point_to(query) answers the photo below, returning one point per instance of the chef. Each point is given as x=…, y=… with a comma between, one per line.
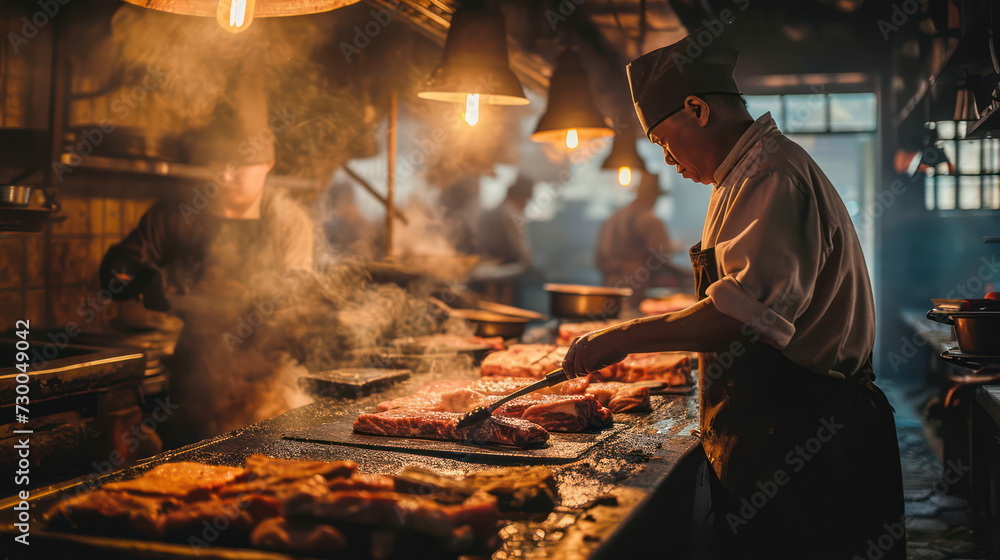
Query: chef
x=502, y=233
x=629, y=237
x=205, y=255
x=803, y=460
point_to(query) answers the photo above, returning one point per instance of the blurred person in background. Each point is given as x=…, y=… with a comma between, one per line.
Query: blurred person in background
x=503, y=243
x=629, y=237
x=214, y=256
x=503, y=234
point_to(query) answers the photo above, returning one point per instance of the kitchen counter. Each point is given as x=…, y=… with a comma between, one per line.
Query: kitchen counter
x=606, y=494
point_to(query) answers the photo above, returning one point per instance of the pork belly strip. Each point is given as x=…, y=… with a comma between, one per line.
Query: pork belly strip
x=621, y=397
x=558, y=413
x=411, y=423
x=178, y=479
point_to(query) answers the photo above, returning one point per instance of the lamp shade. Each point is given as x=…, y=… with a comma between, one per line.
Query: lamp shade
x=624, y=154
x=570, y=105
x=475, y=62
x=965, y=102
x=262, y=8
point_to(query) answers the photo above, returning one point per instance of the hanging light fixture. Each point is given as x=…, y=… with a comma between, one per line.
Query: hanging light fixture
x=625, y=159
x=475, y=68
x=965, y=101
x=571, y=116
x=237, y=15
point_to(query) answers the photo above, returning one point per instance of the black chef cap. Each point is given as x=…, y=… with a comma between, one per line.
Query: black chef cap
x=698, y=64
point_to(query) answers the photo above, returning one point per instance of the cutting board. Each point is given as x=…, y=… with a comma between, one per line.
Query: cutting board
x=350, y=382
x=561, y=448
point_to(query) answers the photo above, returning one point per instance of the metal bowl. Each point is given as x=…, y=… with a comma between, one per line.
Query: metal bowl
x=494, y=324
x=574, y=301
x=15, y=195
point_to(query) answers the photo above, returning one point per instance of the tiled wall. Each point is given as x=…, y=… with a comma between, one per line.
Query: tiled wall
x=45, y=277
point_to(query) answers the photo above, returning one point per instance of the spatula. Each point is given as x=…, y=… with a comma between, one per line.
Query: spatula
x=481, y=413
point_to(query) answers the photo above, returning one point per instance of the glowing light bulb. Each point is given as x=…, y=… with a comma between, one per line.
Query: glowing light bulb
x=235, y=15
x=472, y=109
x=572, y=139
x=624, y=176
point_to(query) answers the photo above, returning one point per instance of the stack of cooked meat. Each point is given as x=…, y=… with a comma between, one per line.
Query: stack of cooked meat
x=573, y=406
x=303, y=506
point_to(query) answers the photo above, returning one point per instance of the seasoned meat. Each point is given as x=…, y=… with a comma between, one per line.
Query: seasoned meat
x=104, y=510
x=451, y=400
x=492, y=386
x=361, y=481
x=673, y=368
x=411, y=423
x=621, y=397
x=523, y=360
x=399, y=511
x=422, y=401
x=278, y=534
x=178, y=479
x=559, y=413
x=568, y=332
x=516, y=488
x=274, y=470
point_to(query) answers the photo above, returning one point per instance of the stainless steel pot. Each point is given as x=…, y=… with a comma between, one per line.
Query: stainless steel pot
x=978, y=332
x=574, y=301
x=15, y=195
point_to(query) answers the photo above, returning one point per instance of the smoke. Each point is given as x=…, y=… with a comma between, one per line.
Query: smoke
x=243, y=359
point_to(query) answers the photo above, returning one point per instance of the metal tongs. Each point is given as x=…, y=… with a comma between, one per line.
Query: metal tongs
x=481, y=413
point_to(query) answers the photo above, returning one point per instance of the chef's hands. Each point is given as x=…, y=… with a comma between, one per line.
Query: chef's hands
x=594, y=351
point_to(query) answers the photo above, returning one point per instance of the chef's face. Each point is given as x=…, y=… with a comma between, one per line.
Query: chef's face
x=241, y=186
x=681, y=137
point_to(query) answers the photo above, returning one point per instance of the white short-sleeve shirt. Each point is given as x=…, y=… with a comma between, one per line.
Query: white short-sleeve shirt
x=790, y=263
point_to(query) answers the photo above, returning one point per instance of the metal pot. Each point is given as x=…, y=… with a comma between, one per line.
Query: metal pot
x=15, y=195
x=573, y=301
x=495, y=324
x=978, y=332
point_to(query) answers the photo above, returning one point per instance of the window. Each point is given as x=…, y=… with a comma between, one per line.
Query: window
x=839, y=131
x=974, y=183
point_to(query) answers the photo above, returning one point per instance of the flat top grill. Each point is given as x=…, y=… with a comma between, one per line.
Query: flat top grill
x=639, y=457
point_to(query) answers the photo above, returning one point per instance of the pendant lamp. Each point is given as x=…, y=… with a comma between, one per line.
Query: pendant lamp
x=624, y=158
x=475, y=68
x=965, y=101
x=237, y=15
x=571, y=116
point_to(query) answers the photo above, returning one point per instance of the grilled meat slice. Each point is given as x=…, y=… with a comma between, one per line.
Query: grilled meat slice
x=278, y=533
x=452, y=400
x=673, y=368
x=276, y=470
x=179, y=479
x=395, y=510
x=443, y=425
x=102, y=511
x=558, y=413
x=621, y=397
x=523, y=360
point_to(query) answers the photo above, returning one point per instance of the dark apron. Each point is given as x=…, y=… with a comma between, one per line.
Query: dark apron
x=801, y=465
